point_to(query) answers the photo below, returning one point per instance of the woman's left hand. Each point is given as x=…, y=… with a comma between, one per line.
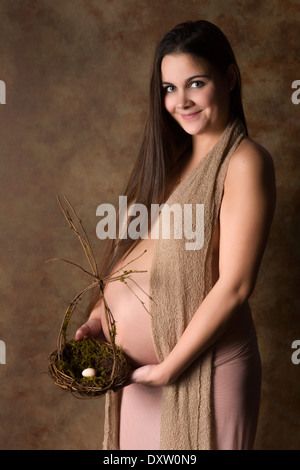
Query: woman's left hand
x=152, y=375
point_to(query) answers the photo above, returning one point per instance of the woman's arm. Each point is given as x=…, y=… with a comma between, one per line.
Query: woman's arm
x=245, y=218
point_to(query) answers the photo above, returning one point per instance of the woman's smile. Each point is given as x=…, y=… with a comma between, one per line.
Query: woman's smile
x=190, y=116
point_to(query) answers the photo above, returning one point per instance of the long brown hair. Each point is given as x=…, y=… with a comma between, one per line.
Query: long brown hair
x=164, y=141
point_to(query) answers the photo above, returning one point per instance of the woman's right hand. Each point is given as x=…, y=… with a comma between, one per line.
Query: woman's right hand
x=92, y=328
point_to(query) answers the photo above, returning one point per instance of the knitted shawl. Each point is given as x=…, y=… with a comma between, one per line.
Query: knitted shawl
x=180, y=279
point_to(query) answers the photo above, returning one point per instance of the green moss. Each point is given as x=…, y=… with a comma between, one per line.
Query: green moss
x=86, y=353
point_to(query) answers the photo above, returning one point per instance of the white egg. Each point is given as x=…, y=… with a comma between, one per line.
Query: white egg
x=89, y=372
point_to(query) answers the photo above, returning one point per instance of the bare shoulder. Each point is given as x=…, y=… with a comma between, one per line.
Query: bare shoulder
x=251, y=161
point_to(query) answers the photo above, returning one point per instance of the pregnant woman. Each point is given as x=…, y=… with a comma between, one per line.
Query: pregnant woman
x=197, y=378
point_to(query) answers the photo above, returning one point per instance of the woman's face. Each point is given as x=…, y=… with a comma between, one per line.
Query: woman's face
x=196, y=94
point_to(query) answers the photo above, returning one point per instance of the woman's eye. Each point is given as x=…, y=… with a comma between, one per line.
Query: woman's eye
x=197, y=84
x=169, y=88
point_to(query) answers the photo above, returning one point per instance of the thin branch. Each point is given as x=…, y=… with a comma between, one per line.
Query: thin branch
x=85, y=234
x=120, y=276
x=131, y=261
x=137, y=285
x=143, y=303
x=70, y=262
x=70, y=311
x=84, y=243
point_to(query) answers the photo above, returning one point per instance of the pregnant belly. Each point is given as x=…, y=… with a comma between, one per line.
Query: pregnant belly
x=133, y=322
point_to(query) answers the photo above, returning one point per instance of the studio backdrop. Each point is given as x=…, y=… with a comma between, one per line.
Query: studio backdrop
x=73, y=104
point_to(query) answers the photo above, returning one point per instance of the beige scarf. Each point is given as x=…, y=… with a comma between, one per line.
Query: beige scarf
x=179, y=281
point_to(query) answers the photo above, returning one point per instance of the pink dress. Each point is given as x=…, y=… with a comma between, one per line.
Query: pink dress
x=236, y=369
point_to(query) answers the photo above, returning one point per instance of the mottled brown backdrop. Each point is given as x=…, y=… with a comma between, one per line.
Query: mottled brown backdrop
x=76, y=75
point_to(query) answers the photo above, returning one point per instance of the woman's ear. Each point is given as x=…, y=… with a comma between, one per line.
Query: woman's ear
x=231, y=76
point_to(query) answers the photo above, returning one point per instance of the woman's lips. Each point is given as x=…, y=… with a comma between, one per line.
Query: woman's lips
x=190, y=116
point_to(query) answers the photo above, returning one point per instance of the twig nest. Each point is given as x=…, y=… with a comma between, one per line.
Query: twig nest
x=89, y=368
x=89, y=372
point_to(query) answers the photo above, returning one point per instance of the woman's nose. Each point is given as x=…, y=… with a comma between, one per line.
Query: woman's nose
x=183, y=101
